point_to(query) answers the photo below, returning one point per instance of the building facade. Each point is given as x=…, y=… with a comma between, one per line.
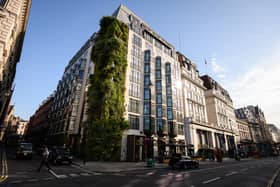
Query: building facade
x=198, y=132
x=153, y=96
x=39, y=123
x=261, y=137
x=67, y=109
x=13, y=21
x=275, y=133
x=220, y=114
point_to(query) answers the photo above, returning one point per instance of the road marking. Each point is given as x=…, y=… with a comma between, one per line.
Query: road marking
x=62, y=176
x=244, y=169
x=198, y=170
x=119, y=174
x=231, y=173
x=272, y=180
x=32, y=180
x=85, y=174
x=74, y=175
x=4, y=175
x=53, y=173
x=83, y=169
x=211, y=180
x=150, y=173
x=49, y=178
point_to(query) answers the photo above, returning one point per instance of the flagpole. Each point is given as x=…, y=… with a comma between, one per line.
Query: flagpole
x=205, y=62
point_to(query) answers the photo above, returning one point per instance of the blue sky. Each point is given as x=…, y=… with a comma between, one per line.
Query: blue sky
x=239, y=39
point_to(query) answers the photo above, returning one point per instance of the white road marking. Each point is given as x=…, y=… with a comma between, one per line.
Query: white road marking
x=244, y=169
x=231, y=173
x=83, y=169
x=53, y=173
x=211, y=180
x=150, y=173
x=119, y=174
x=62, y=176
x=74, y=175
x=85, y=174
x=49, y=178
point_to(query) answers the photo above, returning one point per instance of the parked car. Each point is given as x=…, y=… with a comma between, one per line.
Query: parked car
x=59, y=155
x=24, y=150
x=182, y=162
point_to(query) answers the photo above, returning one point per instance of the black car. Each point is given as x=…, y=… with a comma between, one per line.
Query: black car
x=59, y=155
x=24, y=150
x=182, y=162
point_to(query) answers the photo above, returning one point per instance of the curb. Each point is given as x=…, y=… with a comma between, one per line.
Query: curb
x=121, y=171
x=273, y=179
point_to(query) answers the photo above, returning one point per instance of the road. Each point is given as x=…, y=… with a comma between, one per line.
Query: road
x=250, y=173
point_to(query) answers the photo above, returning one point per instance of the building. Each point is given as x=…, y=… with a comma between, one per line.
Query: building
x=220, y=114
x=275, y=133
x=244, y=139
x=21, y=128
x=261, y=137
x=198, y=132
x=67, y=109
x=13, y=21
x=153, y=98
x=39, y=123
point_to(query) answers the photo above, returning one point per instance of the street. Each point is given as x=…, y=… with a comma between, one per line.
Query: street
x=244, y=173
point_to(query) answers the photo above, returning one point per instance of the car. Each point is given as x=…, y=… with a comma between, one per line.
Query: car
x=24, y=150
x=182, y=162
x=59, y=155
x=205, y=153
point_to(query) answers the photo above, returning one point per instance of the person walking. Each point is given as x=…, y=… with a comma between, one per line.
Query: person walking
x=45, y=157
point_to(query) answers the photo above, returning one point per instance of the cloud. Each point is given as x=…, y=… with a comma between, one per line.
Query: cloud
x=218, y=70
x=259, y=85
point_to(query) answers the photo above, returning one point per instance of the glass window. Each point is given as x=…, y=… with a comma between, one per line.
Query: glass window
x=167, y=68
x=147, y=94
x=147, y=68
x=159, y=111
x=168, y=79
x=168, y=90
x=158, y=85
x=133, y=121
x=147, y=56
x=158, y=63
x=159, y=98
x=147, y=123
x=147, y=80
x=147, y=108
x=133, y=106
x=137, y=40
x=159, y=124
x=169, y=114
x=158, y=74
x=169, y=101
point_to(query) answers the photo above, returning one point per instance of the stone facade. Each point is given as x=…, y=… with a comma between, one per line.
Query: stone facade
x=13, y=21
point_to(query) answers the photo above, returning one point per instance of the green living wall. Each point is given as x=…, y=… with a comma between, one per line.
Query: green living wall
x=105, y=123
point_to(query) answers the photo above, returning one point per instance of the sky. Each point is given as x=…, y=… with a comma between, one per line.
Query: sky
x=238, y=39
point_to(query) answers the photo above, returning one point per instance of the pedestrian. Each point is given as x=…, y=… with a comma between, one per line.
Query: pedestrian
x=45, y=157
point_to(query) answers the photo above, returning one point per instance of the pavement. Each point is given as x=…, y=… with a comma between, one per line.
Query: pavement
x=111, y=167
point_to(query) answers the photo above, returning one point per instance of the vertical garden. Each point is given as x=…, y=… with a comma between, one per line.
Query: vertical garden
x=106, y=123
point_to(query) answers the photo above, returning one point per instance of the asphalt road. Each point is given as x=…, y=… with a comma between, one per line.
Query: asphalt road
x=253, y=173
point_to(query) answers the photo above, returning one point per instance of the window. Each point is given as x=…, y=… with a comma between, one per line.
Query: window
x=169, y=114
x=147, y=56
x=147, y=108
x=158, y=85
x=159, y=111
x=133, y=106
x=167, y=68
x=180, y=129
x=134, y=90
x=168, y=79
x=135, y=64
x=158, y=44
x=159, y=98
x=158, y=63
x=159, y=124
x=158, y=74
x=147, y=80
x=148, y=37
x=147, y=68
x=169, y=101
x=147, y=123
x=137, y=40
x=168, y=90
x=147, y=94
x=133, y=122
